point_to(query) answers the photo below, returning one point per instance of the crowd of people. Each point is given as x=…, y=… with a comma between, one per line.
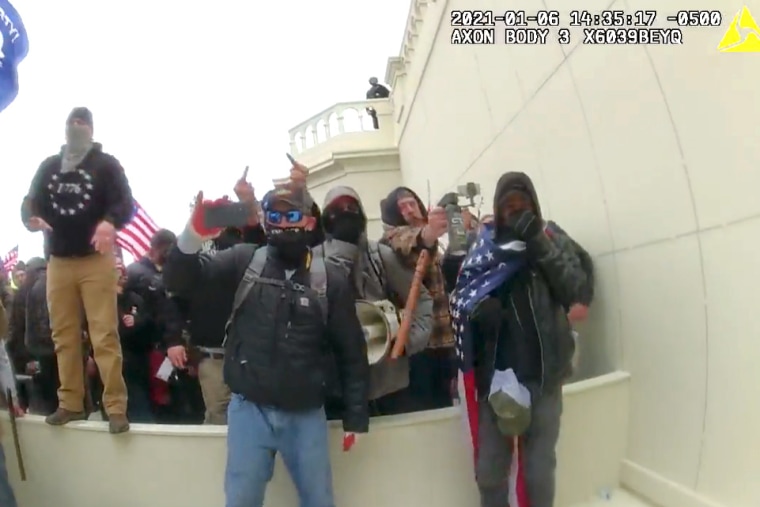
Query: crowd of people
x=256, y=327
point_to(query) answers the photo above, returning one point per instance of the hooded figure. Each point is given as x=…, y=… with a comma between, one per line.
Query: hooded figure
x=522, y=326
x=376, y=274
x=404, y=217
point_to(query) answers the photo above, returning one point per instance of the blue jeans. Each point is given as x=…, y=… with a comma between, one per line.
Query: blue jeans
x=256, y=433
x=7, y=498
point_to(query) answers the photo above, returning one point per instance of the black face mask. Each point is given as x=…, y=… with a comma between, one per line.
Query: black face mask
x=504, y=234
x=347, y=227
x=291, y=243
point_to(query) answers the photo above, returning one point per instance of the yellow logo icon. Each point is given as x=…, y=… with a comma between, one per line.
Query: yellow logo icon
x=742, y=36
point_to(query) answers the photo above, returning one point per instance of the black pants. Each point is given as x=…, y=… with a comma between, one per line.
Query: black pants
x=137, y=376
x=430, y=375
x=43, y=399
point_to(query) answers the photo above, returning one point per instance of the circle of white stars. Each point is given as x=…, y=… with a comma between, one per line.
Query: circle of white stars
x=84, y=199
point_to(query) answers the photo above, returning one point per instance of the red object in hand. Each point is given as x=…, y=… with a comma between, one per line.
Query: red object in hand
x=349, y=439
x=197, y=220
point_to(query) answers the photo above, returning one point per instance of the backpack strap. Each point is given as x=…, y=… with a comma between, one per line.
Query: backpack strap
x=378, y=265
x=376, y=260
x=251, y=275
x=318, y=282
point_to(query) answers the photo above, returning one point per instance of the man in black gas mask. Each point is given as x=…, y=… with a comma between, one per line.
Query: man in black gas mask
x=291, y=310
x=376, y=275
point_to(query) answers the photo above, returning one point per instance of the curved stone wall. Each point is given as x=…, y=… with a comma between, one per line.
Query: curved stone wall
x=410, y=460
x=649, y=156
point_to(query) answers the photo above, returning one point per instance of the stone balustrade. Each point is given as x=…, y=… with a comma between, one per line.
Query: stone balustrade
x=338, y=120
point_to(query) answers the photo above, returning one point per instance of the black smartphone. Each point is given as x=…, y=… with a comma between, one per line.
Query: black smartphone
x=234, y=214
x=290, y=157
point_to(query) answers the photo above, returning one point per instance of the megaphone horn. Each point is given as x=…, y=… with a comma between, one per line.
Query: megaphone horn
x=380, y=324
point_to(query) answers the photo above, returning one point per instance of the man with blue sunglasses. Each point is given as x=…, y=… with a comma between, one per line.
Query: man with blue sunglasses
x=292, y=315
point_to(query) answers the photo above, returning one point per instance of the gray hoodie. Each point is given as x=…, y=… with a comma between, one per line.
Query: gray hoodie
x=377, y=274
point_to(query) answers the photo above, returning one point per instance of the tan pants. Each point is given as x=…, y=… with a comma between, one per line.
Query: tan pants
x=88, y=283
x=216, y=394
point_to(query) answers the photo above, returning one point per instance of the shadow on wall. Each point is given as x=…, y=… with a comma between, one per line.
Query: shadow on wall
x=642, y=153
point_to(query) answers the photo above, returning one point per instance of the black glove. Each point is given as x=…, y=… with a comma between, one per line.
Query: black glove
x=525, y=224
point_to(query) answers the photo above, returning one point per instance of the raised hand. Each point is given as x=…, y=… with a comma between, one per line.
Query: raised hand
x=243, y=188
x=197, y=218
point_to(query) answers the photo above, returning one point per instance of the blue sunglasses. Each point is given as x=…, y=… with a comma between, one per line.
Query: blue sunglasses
x=291, y=217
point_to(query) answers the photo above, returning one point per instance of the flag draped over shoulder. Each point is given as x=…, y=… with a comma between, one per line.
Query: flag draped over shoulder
x=485, y=268
x=14, y=46
x=135, y=236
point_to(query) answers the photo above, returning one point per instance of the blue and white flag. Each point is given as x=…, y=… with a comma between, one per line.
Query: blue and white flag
x=14, y=45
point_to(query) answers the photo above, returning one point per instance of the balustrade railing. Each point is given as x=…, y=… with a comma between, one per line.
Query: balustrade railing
x=342, y=118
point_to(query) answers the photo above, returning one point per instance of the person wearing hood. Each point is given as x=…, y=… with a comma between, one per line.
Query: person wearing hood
x=376, y=274
x=410, y=229
x=523, y=326
x=82, y=197
x=290, y=311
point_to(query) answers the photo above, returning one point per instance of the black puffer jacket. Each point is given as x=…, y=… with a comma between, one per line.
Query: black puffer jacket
x=279, y=345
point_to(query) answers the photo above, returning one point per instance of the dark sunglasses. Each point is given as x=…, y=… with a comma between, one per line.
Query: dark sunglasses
x=291, y=217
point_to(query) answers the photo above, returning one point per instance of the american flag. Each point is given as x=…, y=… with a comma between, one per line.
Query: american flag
x=135, y=236
x=10, y=259
x=485, y=268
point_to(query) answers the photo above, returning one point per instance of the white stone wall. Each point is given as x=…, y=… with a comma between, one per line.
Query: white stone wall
x=649, y=157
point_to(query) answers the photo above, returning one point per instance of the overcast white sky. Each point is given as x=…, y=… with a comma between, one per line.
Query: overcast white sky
x=185, y=94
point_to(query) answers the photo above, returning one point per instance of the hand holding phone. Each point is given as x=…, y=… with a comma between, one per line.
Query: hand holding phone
x=227, y=214
x=198, y=217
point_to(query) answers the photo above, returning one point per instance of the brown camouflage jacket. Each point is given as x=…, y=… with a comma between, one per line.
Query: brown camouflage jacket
x=403, y=241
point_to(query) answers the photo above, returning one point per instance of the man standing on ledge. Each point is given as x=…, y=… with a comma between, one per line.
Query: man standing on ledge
x=81, y=197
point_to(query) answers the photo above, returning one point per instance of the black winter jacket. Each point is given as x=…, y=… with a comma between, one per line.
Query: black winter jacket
x=279, y=345
x=136, y=338
x=208, y=312
x=163, y=319
x=533, y=308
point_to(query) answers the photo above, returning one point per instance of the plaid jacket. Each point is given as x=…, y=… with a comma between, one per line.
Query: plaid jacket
x=403, y=241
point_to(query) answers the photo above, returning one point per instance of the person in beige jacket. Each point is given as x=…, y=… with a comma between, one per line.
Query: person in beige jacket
x=7, y=381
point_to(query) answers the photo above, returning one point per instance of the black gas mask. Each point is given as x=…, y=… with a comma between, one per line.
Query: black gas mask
x=345, y=226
